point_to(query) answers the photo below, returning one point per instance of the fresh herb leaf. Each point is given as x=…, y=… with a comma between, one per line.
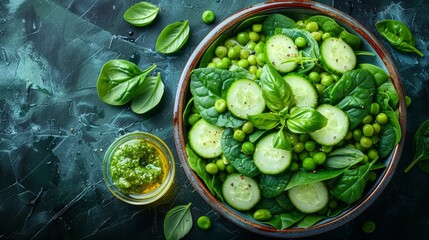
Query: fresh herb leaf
x=173, y=37
x=344, y=157
x=379, y=74
x=273, y=185
x=178, y=222
x=305, y=177
x=276, y=20
x=148, y=94
x=280, y=141
x=141, y=14
x=275, y=91
x=305, y=120
x=265, y=121
x=398, y=35
x=421, y=148
x=310, y=220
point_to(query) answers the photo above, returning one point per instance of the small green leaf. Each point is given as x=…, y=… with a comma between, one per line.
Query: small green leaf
x=275, y=91
x=178, y=222
x=148, y=94
x=173, y=37
x=421, y=148
x=344, y=157
x=141, y=14
x=305, y=120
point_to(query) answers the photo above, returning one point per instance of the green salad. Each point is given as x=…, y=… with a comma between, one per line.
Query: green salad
x=287, y=122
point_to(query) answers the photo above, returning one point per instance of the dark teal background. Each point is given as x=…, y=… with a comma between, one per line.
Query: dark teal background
x=54, y=129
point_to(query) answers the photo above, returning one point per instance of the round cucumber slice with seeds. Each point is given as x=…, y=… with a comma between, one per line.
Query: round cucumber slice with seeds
x=268, y=159
x=244, y=97
x=309, y=198
x=336, y=128
x=304, y=92
x=280, y=50
x=241, y=192
x=205, y=139
x=337, y=56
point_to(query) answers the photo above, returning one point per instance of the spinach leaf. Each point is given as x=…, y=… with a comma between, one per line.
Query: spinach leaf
x=197, y=164
x=383, y=100
x=275, y=91
x=257, y=134
x=273, y=185
x=118, y=81
x=277, y=20
x=207, y=86
x=305, y=120
x=349, y=38
x=271, y=205
x=178, y=222
x=310, y=53
x=379, y=74
x=173, y=37
x=265, y=121
x=390, y=90
x=353, y=93
x=232, y=151
x=284, y=201
x=336, y=211
x=148, y=94
x=351, y=184
x=387, y=140
x=310, y=220
x=141, y=14
x=421, y=148
x=398, y=35
x=187, y=112
x=305, y=177
x=285, y=220
x=344, y=157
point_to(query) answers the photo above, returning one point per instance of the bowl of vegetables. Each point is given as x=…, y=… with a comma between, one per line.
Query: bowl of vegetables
x=289, y=118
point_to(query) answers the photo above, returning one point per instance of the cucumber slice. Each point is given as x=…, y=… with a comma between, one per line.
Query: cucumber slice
x=241, y=192
x=279, y=49
x=304, y=92
x=205, y=139
x=336, y=128
x=337, y=56
x=309, y=198
x=268, y=159
x=244, y=97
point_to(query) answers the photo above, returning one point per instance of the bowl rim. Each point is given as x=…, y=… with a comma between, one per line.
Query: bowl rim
x=181, y=99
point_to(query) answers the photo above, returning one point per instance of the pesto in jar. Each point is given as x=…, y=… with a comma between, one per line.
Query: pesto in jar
x=138, y=167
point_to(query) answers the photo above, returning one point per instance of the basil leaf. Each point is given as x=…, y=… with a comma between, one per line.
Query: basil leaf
x=148, y=94
x=256, y=135
x=285, y=220
x=273, y=185
x=277, y=20
x=173, y=37
x=350, y=185
x=344, y=157
x=197, y=164
x=275, y=91
x=383, y=100
x=305, y=177
x=398, y=35
x=420, y=148
x=265, y=121
x=281, y=142
x=232, y=151
x=118, y=81
x=305, y=120
x=210, y=84
x=178, y=222
x=141, y=14
x=353, y=93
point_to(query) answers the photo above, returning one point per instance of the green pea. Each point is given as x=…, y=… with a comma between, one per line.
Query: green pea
x=259, y=47
x=375, y=139
x=234, y=52
x=243, y=63
x=312, y=27
x=251, y=45
x=252, y=59
x=220, y=105
x=247, y=148
x=357, y=134
x=374, y=109
x=365, y=142
x=349, y=135
x=303, y=155
x=408, y=101
x=304, y=137
x=300, y=23
x=208, y=16
x=367, y=119
x=300, y=42
x=310, y=145
x=372, y=153
x=368, y=226
x=314, y=76
x=377, y=127
x=382, y=118
x=221, y=51
x=368, y=130
x=230, y=43
x=221, y=65
x=244, y=53
x=247, y=127
x=204, y=222
x=243, y=38
x=298, y=147
x=294, y=167
x=319, y=158
x=327, y=80
x=257, y=27
x=220, y=164
x=216, y=59
x=325, y=36
x=262, y=215
x=259, y=72
x=211, y=65
x=211, y=168
x=324, y=74
x=260, y=59
x=239, y=135
x=317, y=36
x=308, y=164
x=327, y=149
x=230, y=168
x=253, y=69
x=193, y=118
x=254, y=36
x=292, y=138
x=372, y=176
x=320, y=88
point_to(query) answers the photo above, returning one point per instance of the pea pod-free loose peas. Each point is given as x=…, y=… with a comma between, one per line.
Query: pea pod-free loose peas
x=204, y=222
x=262, y=215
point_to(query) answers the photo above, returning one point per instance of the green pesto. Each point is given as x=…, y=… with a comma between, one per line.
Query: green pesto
x=137, y=167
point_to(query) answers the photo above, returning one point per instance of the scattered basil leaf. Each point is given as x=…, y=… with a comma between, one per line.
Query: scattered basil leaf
x=398, y=35
x=265, y=121
x=280, y=141
x=305, y=120
x=421, y=148
x=344, y=157
x=141, y=14
x=173, y=37
x=275, y=91
x=178, y=222
x=148, y=94
x=118, y=81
